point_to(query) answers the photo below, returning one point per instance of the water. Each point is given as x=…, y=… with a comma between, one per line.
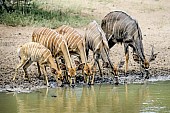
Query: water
x=153, y=97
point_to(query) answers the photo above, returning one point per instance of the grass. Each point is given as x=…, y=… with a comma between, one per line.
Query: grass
x=38, y=14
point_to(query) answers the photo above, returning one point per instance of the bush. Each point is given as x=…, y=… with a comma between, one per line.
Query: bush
x=33, y=15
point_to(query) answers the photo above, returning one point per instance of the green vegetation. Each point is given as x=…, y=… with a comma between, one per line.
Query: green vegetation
x=36, y=15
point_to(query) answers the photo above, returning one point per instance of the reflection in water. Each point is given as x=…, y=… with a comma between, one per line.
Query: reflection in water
x=94, y=99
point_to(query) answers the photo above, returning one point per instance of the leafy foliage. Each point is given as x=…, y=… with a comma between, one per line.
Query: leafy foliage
x=34, y=15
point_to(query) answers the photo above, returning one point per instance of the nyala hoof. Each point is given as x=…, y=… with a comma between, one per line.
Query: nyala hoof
x=146, y=77
x=117, y=83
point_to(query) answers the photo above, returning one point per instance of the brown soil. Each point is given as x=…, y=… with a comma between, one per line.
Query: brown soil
x=153, y=17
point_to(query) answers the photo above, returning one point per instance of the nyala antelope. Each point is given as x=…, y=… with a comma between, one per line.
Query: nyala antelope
x=121, y=28
x=76, y=46
x=95, y=40
x=58, y=46
x=35, y=52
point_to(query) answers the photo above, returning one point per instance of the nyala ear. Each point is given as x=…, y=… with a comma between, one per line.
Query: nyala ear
x=121, y=63
x=62, y=66
x=105, y=65
x=136, y=58
x=53, y=70
x=77, y=63
x=103, y=23
x=80, y=66
x=153, y=57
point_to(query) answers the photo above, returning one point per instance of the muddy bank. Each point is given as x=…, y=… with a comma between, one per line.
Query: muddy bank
x=24, y=86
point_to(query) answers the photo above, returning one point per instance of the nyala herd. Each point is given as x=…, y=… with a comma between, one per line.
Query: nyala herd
x=49, y=46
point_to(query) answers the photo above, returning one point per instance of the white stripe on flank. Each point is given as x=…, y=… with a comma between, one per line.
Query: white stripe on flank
x=56, y=47
x=49, y=35
x=41, y=34
x=109, y=23
x=31, y=51
x=95, y=33
x=46, y=34
x=34, y=52
x=38, y=31
x=57, y=41
x=35, y=49
x=99, y=29
x=56, y=37
x=74, y=39
x=43, y=29
x=135, y=32
x=121, y=25
x=130, y=29
x=91, y=29
x=69, y=36
x=126, y=26
x=47, y=42
x=97, y=46
x=37, y=34
x=96, y=37
x=52, y=44
x=65, y=31
x=42, y=39
x=79, y=41
x=71, y=39
x=70, y=44
x=79, y=38
x=38, y=53
x=47, y=56
x=59, y=45
x=114, y=28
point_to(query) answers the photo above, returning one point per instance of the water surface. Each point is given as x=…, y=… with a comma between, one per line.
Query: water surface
x=153, y=97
